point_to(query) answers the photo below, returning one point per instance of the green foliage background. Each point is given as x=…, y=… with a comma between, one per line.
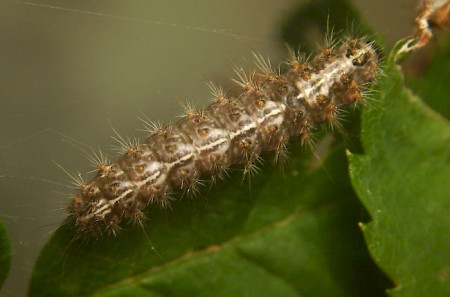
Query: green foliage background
x=402, y=179
x=5, y=253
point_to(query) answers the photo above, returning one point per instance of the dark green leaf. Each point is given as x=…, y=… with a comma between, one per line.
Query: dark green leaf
x=293, y=234
x=403, y=181
x=434, y=85
x=5, y=254
x=307, y=26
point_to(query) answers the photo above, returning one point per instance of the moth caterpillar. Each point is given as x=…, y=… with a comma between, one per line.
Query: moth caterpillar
x=272, y=108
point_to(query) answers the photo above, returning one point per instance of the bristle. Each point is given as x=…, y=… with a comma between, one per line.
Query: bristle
x=76, y=180
x=217, y=92
x=125, y=144
x=246, y=81
x=189, y=109
x=98, y=160
x=264, y=65
x=151, y=127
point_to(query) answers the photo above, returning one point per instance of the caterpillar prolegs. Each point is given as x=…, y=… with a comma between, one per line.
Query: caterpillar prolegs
x=271, y=109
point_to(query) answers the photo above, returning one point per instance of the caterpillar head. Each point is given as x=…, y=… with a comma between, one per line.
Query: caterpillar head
x=364, y=57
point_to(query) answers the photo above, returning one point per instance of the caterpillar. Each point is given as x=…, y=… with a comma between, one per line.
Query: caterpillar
x=272, y=108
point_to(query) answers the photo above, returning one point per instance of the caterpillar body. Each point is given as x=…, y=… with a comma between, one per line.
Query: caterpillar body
x=271, y=109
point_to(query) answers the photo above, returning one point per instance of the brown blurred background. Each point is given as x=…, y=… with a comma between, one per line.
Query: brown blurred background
x=67, y=76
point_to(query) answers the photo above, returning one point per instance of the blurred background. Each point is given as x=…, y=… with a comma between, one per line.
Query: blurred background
x=74, y=69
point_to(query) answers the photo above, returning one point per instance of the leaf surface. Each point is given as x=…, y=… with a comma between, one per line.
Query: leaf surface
x=5, y=254
x=403, y=180
x=433, y=86
x=293, y=234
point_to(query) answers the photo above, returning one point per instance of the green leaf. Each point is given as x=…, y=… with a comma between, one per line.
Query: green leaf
x=307, y=26
x=5, y=254
x=433, y=86
x=402, y=179
x=293, y=234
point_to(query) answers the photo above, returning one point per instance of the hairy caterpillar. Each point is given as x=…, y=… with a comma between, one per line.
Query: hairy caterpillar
x=271, y=109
